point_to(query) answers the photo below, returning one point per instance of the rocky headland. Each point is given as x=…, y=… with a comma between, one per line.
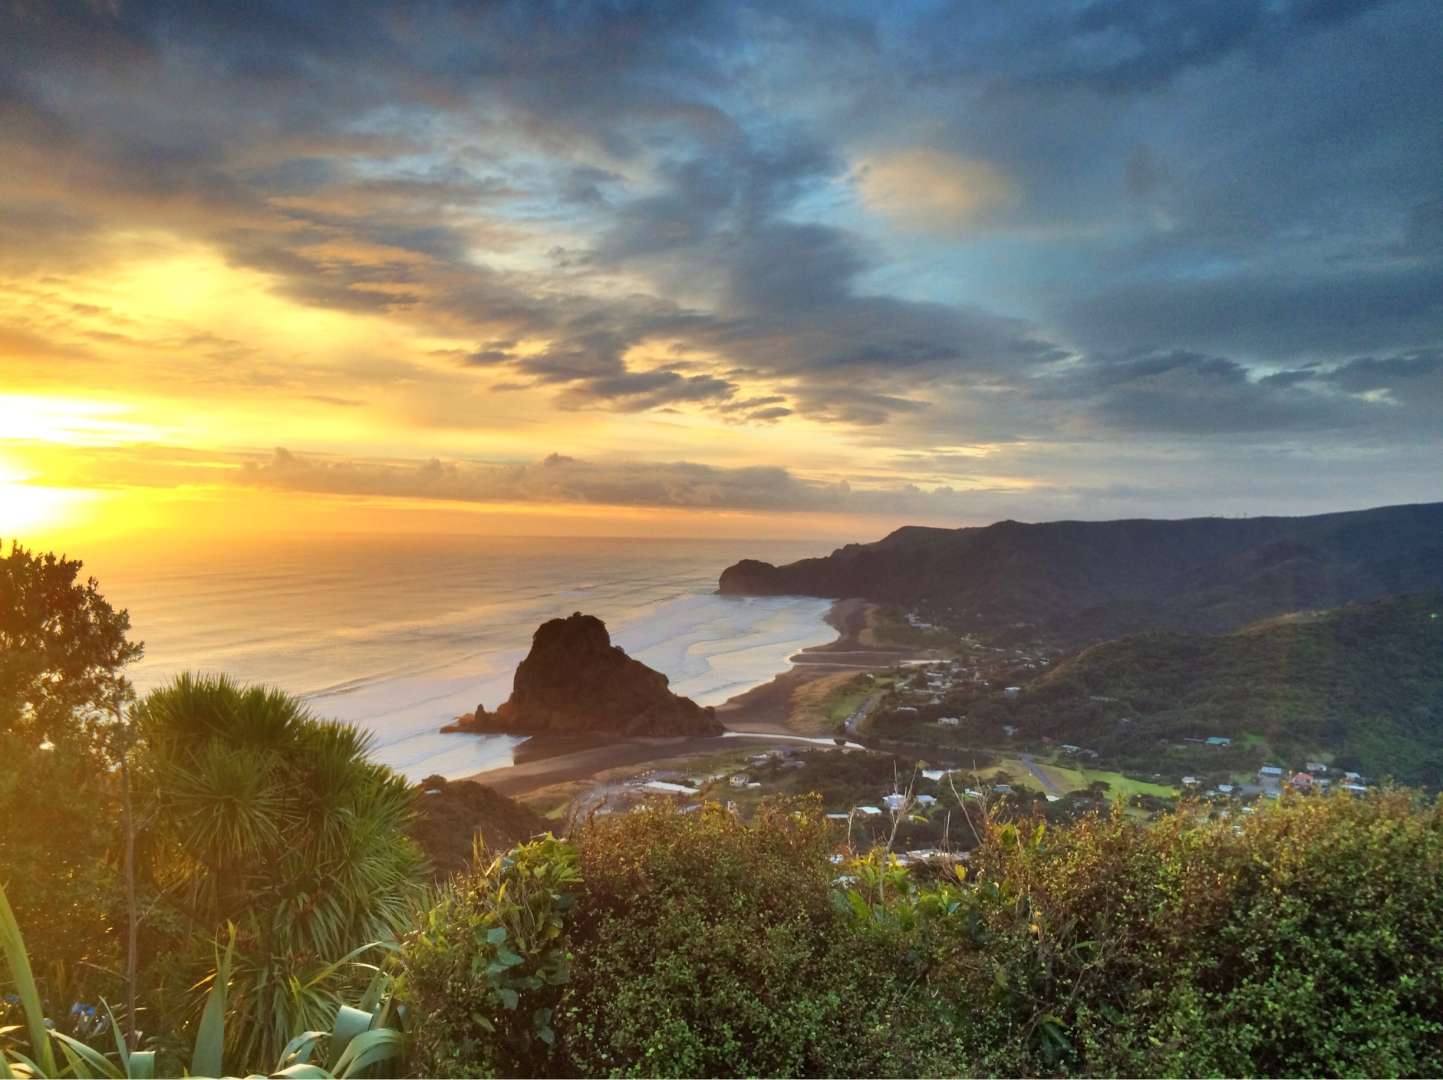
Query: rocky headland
x=575, y=680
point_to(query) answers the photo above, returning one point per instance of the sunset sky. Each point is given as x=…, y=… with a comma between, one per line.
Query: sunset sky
x=692, y=269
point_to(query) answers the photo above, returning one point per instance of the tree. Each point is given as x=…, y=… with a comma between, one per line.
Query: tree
x=278, y=823
x=63, y=648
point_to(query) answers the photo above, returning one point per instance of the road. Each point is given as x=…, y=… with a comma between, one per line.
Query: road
x=1048, y=786
x=862, y=711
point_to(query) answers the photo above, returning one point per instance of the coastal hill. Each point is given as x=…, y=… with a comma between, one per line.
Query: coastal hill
x=1072, y=582
x=1359, y=686
x=575, y=680
x=452, y=815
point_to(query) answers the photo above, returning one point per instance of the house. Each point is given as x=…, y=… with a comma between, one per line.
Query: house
x=1009, y=730
x=1352, y=777
x=1225, y=789
x=664, y=787
x=894, y=801
x=739, y=780
x=870, y=811
x=906, y=710
x=1218, y=740
x=794, y=763
x=926, y=800
x=838, y=817
x=934, y=774
x=1189, y=781
x=1270, y=774
x=949, y=721
x=1302, y=781
x=1355, y=789
x=1002, y=789
x=1011, y=691
x=1316, y=767
x=1068, y=748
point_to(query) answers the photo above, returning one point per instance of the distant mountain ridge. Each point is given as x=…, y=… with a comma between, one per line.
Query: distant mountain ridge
x=1080, y=581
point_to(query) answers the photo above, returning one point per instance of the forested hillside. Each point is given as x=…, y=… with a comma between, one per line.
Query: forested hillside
x=1073, y=582
x=1359, y=686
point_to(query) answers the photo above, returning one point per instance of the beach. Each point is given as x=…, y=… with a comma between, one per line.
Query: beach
x=757, y=716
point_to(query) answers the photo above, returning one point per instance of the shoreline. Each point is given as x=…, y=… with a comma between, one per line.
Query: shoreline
x=762, y=712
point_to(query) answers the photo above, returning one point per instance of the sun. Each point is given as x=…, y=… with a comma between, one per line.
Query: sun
x=29, y=511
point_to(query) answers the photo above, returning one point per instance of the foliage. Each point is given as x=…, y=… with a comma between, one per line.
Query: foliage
x=1360, y=686
x=358, y=1040
x=278, y=823
x=1303, y=941
x=62, y=650
x=62, y=647
x=485, y=969
x=709, y=946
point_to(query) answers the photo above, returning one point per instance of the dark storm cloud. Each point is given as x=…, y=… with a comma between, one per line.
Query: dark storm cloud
x=1224, y=219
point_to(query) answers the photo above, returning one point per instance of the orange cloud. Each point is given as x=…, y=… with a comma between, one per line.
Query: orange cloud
x=930, y=189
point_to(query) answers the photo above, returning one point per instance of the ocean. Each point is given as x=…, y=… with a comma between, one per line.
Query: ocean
x=400, y=635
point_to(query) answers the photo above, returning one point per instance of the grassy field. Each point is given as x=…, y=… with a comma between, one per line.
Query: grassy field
x=1070, y=779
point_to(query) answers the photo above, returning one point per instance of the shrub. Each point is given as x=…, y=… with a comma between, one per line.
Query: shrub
x=1303, y=941
x=486, y=968
x=706, y=946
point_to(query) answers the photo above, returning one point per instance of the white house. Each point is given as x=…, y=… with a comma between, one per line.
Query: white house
x=926, y=800
x=949, y=721
x=870, y=811
x=1012, y=691
x=740, y=779
x=894, y=801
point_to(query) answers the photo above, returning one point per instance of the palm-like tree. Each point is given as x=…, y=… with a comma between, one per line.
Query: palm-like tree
x=272, y=820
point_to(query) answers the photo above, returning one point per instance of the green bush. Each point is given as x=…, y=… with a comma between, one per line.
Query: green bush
x=706, y=946
x=1304, y=941
x=485, y=970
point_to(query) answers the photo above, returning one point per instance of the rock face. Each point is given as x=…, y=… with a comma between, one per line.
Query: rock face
x=575, y=680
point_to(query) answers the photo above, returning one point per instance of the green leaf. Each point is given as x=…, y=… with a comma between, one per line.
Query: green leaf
x=367, y=1049
x=349, y=1024
x=93, y=1058
x=140, y=1065
x=208, y=1058
x=496, y=935
x=12, y=946
x=304, y=1070
x=510, y=998
x=506, y=958
x=299, y=1050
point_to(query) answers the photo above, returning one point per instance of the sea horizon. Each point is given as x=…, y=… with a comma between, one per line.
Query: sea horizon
x=398, y=635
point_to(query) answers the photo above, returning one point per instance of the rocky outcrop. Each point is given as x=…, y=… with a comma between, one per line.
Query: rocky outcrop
x=575, y=680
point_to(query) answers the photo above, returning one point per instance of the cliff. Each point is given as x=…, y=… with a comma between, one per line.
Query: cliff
x=1080, y=581
x=575, y=680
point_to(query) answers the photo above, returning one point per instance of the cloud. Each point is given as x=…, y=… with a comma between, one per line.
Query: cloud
x=1156, y=225
x=927, y=189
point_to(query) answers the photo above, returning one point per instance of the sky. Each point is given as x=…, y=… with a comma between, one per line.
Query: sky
x=771, y=269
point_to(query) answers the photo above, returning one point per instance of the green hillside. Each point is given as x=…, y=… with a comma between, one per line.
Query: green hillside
x=1359, y=687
